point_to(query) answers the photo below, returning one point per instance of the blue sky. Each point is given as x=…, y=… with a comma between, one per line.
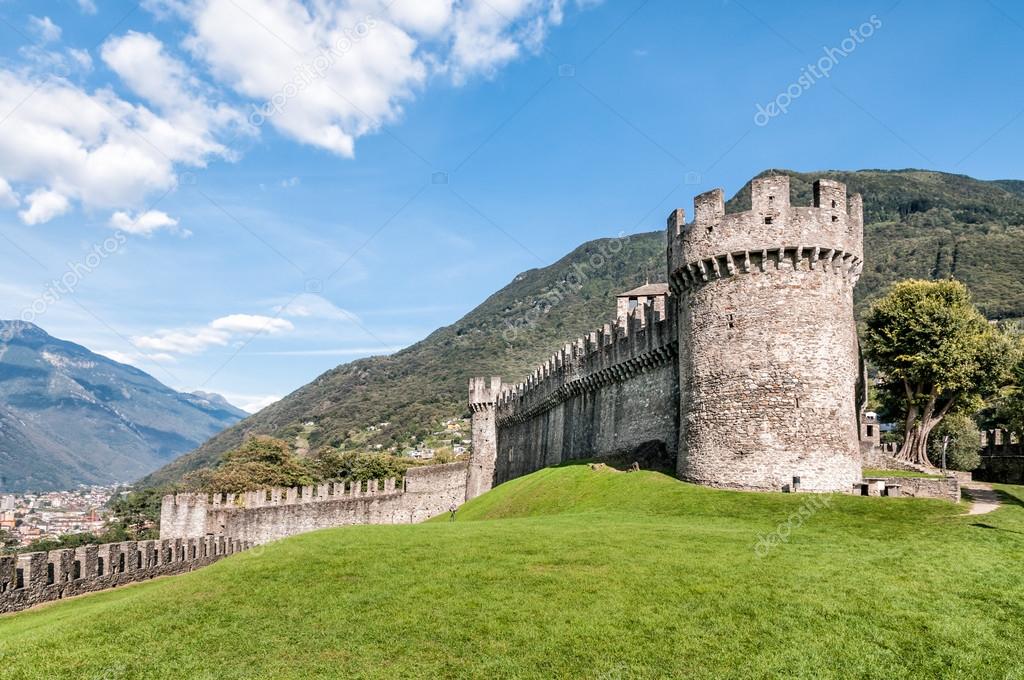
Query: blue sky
x=236, y=195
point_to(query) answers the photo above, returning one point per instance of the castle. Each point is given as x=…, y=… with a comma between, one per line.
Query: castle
x=744, y=368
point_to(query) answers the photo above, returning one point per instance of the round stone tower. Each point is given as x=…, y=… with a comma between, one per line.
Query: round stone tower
x=768, y=358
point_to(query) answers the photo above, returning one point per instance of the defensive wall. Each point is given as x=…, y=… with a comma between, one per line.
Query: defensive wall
x=267, y=515
x=29, y=579
x=611, y=391
x=1002, y=457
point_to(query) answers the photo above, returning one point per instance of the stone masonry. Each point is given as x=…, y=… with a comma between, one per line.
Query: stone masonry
x=745, y=370
x=33, y=578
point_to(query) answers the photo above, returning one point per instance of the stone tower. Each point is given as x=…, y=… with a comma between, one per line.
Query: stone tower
x=482, y=401
x=768, y=352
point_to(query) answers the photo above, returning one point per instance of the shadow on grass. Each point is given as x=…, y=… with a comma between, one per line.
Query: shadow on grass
x=982, y=525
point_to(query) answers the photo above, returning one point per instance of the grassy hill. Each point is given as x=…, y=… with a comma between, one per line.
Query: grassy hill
x=919, y=224
x=574, y=572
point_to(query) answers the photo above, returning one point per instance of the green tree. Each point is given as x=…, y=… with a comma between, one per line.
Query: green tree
x=938, y=355
x=1010, y=410
x=961, y=438
x=7, y=539
x=259, y=463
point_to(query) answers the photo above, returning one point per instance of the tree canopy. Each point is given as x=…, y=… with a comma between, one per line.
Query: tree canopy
x=937, y=355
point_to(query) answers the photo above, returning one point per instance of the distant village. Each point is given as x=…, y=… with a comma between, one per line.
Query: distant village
x=32, y=517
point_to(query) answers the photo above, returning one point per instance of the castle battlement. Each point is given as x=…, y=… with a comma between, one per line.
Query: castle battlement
x=644, y=338
x=32, y=578
x=773, y=234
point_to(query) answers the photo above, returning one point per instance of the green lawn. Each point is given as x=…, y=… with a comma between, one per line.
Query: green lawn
x=897, y=473
x=573, y=572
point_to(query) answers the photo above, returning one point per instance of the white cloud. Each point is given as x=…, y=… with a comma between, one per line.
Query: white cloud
x=8, y=199
x=290, y=182
x=218, y=333
x=44, y=29
x=87, y=6
x=144, y=224
x=309, y=305
x=328, y=72
x=43, y=206
x=94, y=148
x=251, y=323
x=81, y=58
x=137, y=359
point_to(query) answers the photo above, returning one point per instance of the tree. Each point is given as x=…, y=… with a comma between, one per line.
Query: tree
x=1010, y=411
x=259, y=463
x=7, y=539
x=938, y=355
x=961, y=438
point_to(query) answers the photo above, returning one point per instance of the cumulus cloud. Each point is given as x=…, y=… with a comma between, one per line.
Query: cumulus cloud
x=143, y=224
x=326, y=73
x=321, y=72
x=219, y=332
x=94, y=148
x=87, y=6
x=44, y=29
x=43, y=206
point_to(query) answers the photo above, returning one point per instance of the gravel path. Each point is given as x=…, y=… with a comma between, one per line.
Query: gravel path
x=983, y=498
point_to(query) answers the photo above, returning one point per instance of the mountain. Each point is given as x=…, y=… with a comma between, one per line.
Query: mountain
x=917, y=224
x=69, y=416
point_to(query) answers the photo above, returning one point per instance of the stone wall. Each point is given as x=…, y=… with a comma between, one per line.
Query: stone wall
x=261, y=516
x=1002, y=457
x=945, y=488
x=768, y=358
x=610, y=392
x=29, y=579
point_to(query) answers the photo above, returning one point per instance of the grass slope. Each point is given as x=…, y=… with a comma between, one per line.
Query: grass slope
x=918, y=224
x=573, y=572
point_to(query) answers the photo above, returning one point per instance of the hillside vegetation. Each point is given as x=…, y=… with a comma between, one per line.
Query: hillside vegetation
x=575, y=572
x=919, y=224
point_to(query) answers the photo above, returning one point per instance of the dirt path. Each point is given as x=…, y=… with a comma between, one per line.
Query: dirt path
x=983, y=498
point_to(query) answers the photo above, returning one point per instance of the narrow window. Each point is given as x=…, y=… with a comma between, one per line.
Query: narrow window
x=120, y=563
x=19, y=579
x=50, y=579
x=771, y=198
x=76, y=570
x=833, y=204
x=99, y=566
x=138, y=560
x=768, y=220
x=871, y=430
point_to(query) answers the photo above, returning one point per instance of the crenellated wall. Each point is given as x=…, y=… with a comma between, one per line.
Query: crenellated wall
x=261, y=516
x=611, y=391
x=29, y=579
x=1002, y=457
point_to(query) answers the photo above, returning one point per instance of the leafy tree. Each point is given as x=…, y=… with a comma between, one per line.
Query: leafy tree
x=7, y=539
x=938, y=355
x=1010, y=411
x=136, y=515
x=960, y=436
x=259, y=463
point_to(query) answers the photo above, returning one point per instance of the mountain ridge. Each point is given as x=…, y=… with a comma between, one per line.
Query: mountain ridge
x=70, y=416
